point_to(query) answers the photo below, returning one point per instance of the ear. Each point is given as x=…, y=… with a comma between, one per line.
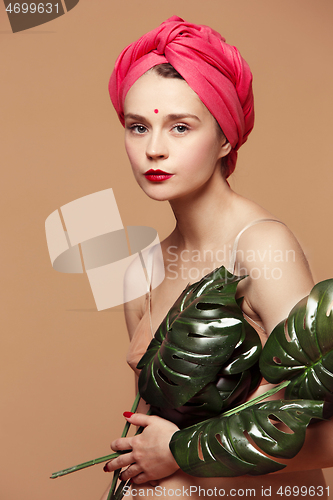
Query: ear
x=225, y=148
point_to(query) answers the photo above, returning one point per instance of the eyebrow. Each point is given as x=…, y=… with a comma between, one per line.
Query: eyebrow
x=171, y=116
x=182, y=115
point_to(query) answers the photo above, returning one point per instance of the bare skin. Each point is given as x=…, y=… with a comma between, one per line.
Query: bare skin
x=208, y=215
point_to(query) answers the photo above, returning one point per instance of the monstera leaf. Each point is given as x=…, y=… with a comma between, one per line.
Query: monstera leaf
x=204, y=354
x=204, y=357
x=301, y=348
x=221, y=447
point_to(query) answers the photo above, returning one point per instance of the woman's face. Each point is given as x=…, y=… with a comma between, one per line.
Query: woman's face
x=171, y=138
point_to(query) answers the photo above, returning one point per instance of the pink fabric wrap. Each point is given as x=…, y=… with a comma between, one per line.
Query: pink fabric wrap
x=213, y=69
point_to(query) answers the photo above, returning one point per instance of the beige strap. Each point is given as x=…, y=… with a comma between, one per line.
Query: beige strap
x=231, y=267
x=150, y=268
x=232, y=261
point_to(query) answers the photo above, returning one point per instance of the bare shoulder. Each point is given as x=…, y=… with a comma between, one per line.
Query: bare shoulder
x=269, y=241
x=277, y=269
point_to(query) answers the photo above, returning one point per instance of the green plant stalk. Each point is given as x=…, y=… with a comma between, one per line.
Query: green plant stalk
x=75, y=468
x=135, y=404
x=120, y=490
x=99, y=460
x=119, y=493
x=113, y=484
x=123, y=434
x=256, y=400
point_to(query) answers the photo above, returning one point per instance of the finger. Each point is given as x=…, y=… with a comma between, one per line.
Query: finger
x=139, y=419
x=118, y=463
x=141, y=478
x=132, y=471
x=121, y=444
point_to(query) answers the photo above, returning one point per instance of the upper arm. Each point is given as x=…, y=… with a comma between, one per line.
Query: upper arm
x=278, y=272
x=133, y=313
x=145, y=272
x=135, y=285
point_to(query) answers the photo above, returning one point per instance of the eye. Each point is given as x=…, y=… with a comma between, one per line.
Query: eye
x=138, y=129
x=181, y=129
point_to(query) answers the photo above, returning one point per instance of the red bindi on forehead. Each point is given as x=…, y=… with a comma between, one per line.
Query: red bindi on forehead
x=155, y=110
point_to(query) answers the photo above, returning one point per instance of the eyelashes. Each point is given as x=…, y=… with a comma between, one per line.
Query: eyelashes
x=179, y=128
x=138, y=129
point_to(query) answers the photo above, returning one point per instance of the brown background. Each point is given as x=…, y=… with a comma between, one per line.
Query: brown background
x=64, y=381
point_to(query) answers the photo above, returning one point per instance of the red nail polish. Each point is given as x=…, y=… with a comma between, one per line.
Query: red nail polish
x=128, y=414
x=105, y=468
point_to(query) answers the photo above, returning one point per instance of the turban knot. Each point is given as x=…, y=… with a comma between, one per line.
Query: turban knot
x=214, y=69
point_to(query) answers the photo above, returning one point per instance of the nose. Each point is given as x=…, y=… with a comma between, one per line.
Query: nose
x=156, y=147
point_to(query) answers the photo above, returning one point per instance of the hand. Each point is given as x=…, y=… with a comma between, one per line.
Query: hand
x=150, y=457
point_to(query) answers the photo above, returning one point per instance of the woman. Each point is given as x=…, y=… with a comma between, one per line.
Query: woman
x=185, y=99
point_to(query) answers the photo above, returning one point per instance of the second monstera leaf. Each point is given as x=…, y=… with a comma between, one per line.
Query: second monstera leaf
x=221, y=446
x=300, y=349
x=204, y=353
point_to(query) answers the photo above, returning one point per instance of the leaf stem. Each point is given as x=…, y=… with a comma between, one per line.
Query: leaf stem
x=84, y=465
x=123, y=434
x=106, y=458
x=99, y=460
x=256, y=400
x=121, y=490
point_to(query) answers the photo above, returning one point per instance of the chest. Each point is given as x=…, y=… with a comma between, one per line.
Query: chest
x=176, y=280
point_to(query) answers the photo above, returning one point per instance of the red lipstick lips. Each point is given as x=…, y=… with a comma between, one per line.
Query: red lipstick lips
x=157, y=175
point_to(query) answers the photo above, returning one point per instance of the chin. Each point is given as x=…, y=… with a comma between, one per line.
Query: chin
x=155, y=197
x=167, y=193
x=157, y=194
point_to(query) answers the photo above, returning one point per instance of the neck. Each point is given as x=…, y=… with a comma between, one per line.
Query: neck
x=204, y=218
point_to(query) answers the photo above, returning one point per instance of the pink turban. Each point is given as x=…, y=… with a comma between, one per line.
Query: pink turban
x=213, y=69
